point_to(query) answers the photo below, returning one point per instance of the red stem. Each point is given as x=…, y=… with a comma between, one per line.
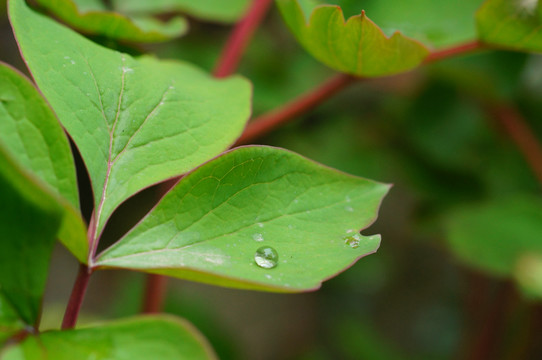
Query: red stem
x=521, y=134
x=273, y=119
x=487, y=340
x=76, y=297
x=240, y=37
x=454, y=51
x=155, y=294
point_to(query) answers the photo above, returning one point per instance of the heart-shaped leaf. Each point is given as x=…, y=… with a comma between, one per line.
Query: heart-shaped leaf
x=514, y=25
x=141, y=338
x=33, y=136
x=30, y=218
x=136, y=121
x=92, y=17
x=210, y=227
x=357, y=46
x=213, y=10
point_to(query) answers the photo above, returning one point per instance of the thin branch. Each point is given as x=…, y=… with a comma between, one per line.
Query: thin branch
x=155, y=294
x=454, y=51
x=521, y=134
x=275, y=118
x=76, y=297
x=240, y=37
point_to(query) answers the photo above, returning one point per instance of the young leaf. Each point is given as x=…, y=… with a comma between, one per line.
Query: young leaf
x=213, y=10
x=92, y=17
x=515, y=25
x=495, y=236
x=210, y=226
x=141, y=338
x=435, y=23
x=136, y=121
x=29, y=220
x=357, y=46
x=33, y=136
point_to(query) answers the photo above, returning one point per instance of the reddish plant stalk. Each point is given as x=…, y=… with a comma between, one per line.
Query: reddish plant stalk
x=454, y=51
x=155, y=294
x=486, y=342
x=76, y=297
x=240, y=37
x=273, y=119
x=521, y=134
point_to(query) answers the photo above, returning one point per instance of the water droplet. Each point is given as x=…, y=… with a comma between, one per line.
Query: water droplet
x=266, y=257
x=353, y=241
x=268, y=276
x=296, y=201
x=73, y=62
x=347, y=198
x=260, y=225
x=257, y=237
x=349, y=208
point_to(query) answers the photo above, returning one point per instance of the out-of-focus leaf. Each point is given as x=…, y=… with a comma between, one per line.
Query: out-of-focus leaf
x=214, y=10
x=512, y=24
x=142, y=338
x=435, y=23
x=92, y=17
x=528, y=274
x=209, y=227
x=10, y=322
x=136, y=121
x=33, y=136
x=494, y=236
x=357, y=46
x=29, y=221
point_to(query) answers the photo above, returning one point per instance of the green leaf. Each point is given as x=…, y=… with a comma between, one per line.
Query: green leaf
x=494, y=236
x=213, y=10
x=30, y=217
x=10, y=323
x=357, y=47
x=528, y=274
x=136, y=121
x=92, y=17
x=141, y=338
x=33, y=136
x=515, y=25
x=210, y=225
x=435, y=23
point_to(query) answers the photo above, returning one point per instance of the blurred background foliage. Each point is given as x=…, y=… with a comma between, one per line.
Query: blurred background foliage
x=462, y=222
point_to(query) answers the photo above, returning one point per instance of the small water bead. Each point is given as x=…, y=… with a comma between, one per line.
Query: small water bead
x=353, y=241
x=258, y=237
x=266, y=257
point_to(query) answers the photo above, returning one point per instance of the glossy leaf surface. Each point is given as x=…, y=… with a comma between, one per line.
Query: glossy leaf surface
x=210, y=225
x=33, y=136
x=157, y=337
x=512, y=24
x=357, y=46
x=30, y=218
x=92, y=17
x=136, y=121
x=494, y=236
x=213, y=10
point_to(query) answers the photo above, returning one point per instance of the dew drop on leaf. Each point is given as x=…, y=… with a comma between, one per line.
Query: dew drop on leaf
x=266, y=257
x=353, y=241
x=258, y=237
